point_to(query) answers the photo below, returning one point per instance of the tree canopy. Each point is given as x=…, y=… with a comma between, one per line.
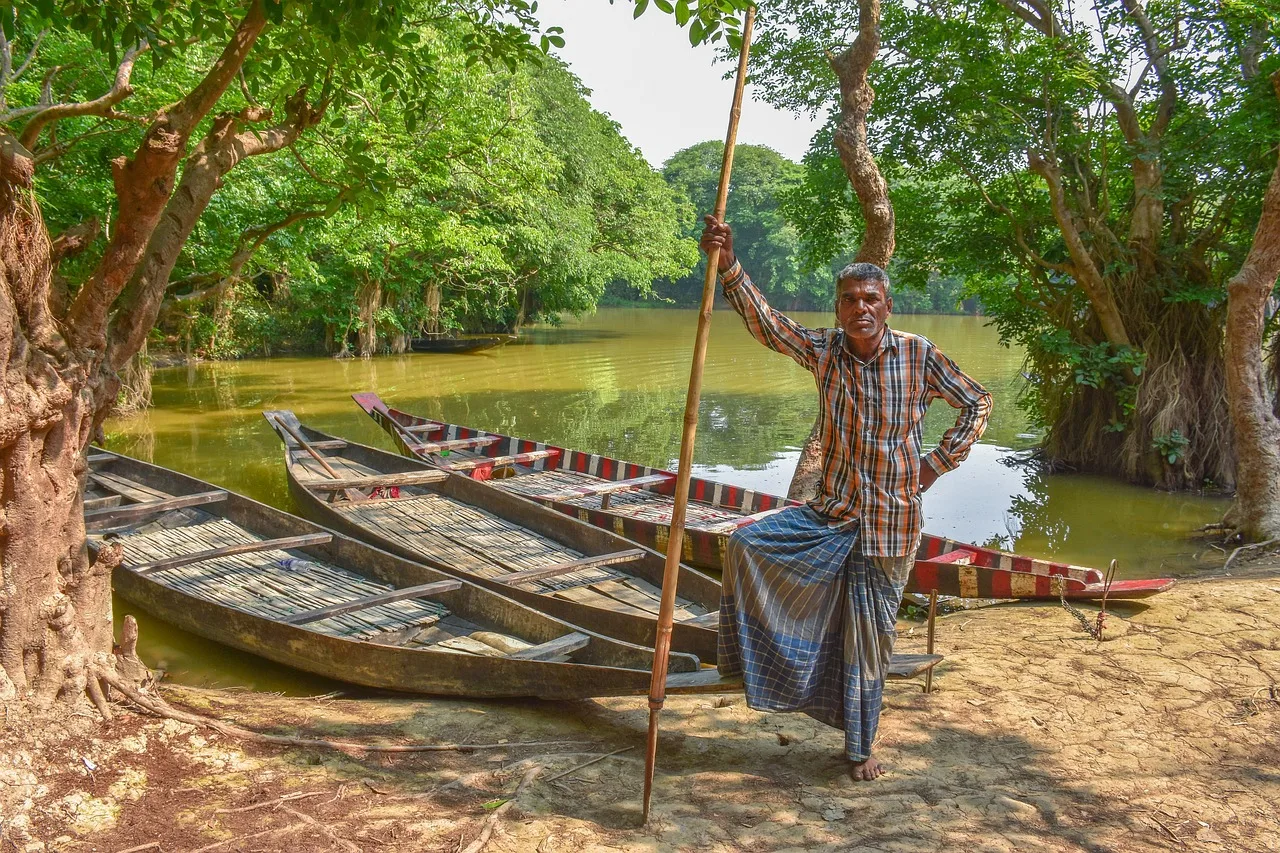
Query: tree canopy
x=1094, y=175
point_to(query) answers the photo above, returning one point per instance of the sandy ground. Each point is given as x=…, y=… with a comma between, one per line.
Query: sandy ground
x=1036, y=738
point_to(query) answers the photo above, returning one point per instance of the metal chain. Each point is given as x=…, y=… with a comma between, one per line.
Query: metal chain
x=1089, y=628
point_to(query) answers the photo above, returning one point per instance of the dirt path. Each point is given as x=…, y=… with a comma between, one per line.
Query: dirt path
x=1036, y=739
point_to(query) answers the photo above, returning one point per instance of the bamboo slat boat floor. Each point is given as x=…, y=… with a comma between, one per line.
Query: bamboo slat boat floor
x=485, y=545
x=271, y=584
x=643, y=504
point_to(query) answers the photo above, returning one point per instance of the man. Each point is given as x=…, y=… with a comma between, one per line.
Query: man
x=811, y=594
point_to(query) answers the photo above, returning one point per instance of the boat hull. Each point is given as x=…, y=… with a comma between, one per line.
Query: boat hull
x=691, y=640
x=951, y=568
x=459, y=345
x=615, y=668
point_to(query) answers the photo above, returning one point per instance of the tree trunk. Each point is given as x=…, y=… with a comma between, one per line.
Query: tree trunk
x=54, y=605
x=856, y=97
x=226, y=144
x=433, y=308
x=1256, y=513
x=369, y=300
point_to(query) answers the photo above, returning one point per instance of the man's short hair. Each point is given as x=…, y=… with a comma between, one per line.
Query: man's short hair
x=861, y=271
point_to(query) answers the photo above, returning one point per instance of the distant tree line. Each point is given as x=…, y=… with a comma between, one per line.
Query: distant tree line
x=766, y=198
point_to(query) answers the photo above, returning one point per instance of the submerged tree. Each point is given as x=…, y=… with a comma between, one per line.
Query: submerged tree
x=272, y=69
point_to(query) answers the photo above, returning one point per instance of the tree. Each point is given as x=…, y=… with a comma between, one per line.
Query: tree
x=768, y=244
x=1096, y=180
x=59, y=351
x=1256, y=512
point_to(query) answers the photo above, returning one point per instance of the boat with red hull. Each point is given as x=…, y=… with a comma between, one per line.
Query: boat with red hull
x=635, y=501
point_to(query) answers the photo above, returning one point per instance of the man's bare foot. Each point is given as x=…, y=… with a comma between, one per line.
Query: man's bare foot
x=865, y=771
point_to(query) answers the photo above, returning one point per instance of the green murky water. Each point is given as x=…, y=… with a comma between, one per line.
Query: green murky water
x=615, y=383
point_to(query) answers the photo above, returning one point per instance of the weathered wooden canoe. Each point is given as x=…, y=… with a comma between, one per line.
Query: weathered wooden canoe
x=475, y=343
x=636, y=502
x=241, y=573
x=513, y=546
x=561, y=566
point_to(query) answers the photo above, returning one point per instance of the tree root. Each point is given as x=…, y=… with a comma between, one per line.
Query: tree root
x=1250, y=546
x=157, y=706
x=491, y=822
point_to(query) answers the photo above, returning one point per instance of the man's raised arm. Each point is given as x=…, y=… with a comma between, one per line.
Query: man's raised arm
x=949, y=382
x=772, y=328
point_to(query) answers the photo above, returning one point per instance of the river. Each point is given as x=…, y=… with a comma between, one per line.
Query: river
x=615, y=383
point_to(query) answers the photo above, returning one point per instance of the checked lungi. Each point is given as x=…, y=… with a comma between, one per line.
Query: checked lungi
x=808, y=621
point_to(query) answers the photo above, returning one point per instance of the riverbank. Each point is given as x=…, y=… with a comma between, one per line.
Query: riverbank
x=1036, y=738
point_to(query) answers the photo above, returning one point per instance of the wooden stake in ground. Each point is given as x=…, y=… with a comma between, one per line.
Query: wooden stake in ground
x=670, y=576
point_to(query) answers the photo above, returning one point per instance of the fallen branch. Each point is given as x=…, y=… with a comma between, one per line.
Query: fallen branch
x=1227, y=564
x=150, y=845
x=1169, y=831
x=238, y=838
x=587, y=764
x=333, y=836
x=491, y=822
x=279, y=801
x=157, y=706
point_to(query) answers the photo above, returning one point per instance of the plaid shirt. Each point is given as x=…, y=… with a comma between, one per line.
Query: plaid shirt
x=872, y=414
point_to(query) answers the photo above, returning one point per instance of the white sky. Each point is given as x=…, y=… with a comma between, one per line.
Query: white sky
x=665, y=94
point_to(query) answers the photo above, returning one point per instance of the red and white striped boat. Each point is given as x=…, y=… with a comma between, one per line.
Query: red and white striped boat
x=635, y=501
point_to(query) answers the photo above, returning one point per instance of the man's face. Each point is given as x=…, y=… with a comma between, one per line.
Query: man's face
x=862, y=308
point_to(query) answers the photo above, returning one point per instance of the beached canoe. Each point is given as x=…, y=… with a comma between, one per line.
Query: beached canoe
x=474, y=343
x=252, y=577
x=559, y=565
x=636, y=502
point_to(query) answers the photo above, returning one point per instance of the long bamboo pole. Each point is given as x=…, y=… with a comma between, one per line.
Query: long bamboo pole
x=675, y=545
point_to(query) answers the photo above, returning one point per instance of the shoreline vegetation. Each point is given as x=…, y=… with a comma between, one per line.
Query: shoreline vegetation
x=1036, y=738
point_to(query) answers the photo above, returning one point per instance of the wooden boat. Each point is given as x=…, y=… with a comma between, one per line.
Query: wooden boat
x=636, y=502
x=244, y=574
x=471, y=343
x=577, y=572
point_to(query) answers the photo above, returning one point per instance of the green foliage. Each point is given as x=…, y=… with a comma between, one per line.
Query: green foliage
x=1171, y=447
x=458, y=178
x=965, y=90
x=767, y=244
x=794, y=265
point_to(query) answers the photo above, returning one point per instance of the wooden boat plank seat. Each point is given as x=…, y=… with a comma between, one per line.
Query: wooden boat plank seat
x=366, y=481
x=502, y=461
x=553, y=648
x=710, y=619
x=457, y=444
x=422, y=428
x=132, y=512
x=420, y=591
x=645, y=596
x=742, y=521
x=99, y=503
x=606, y=487
x=327, y=444
x=547, y=572
x=126, y=488
x=229, y=550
